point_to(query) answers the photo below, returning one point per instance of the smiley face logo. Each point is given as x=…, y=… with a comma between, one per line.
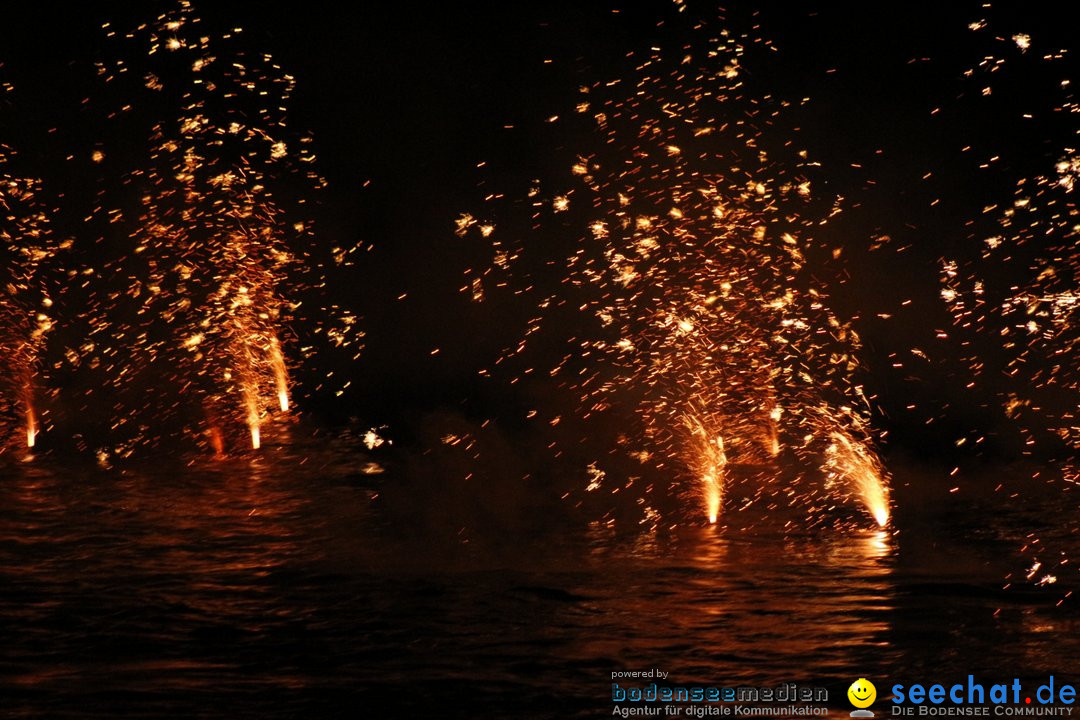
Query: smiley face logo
x=862, y=693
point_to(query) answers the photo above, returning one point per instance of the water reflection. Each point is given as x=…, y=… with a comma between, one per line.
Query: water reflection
x=267, y=584
x=145, y=578
x=729, y=603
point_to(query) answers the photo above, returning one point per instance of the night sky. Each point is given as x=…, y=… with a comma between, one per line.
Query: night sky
x=405, y=100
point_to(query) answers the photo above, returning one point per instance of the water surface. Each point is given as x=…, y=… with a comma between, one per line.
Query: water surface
x=276, y=586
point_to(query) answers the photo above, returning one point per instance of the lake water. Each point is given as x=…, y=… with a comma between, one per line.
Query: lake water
x=275, y=586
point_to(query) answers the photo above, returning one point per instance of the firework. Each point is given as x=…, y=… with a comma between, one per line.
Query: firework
x=28, y=245
x=205, y=274
x=683, y=240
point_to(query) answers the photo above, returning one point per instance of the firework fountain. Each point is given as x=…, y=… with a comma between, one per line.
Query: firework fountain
x=28, y=244
x=690, y=230
x=203, y=278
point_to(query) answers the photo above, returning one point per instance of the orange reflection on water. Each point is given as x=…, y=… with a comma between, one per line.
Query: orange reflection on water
x=748, y=604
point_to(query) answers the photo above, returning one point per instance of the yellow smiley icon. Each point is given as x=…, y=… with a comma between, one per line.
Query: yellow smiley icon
x=862, y=693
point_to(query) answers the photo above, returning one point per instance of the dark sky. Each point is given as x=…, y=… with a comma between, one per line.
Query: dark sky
x=404, y=99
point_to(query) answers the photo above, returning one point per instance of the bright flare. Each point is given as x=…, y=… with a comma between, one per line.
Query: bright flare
x=711, y=464
x=251, y=402
x=31, y=427
x=852, y=463
x=281, y=378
